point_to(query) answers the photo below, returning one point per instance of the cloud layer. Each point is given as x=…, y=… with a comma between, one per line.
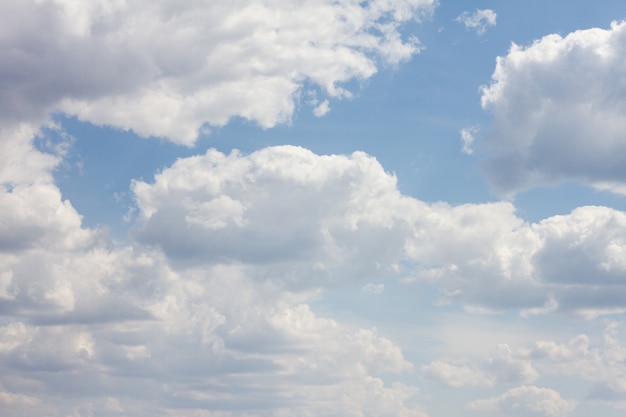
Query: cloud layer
x=209, y=309
x=141, y=330
x=212, y=299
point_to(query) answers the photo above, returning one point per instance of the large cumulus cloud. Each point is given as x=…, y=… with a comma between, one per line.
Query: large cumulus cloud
x=135, y=331
x=183, y=313
x=570, y=263
x=307, y=220
x=212, y=340
x=167, y=68
x=310, y=219
x=558, y=108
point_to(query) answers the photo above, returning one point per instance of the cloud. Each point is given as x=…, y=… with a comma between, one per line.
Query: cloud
x=478, y=21
x=597, y=360
x=305, y=219
x=321, y=109
x=166, y=68
x=208, y=311
x=231, y=249
x=226, y=333
x=501, y=367
x=557, y=109
x=209, y=338
x=34, y=213
x=569, y=263
x=508, y=369
x=229, y=252
x=311, y=221
x=456, y=376
x=468, y=137
x=526, y=401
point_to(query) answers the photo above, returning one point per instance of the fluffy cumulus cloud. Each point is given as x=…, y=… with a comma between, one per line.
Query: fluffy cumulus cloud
x=209, y=307
x=297, y=216
x=305, y=221
x=478, y=21
x=168, y=68
x=140, y=331
x=558, y=108
x=526, y=401
x=207, y=339
x=487, y=257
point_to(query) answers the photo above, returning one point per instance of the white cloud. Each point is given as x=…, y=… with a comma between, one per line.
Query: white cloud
x=526, y=401
x=321, y=109
x=456, y=376
x=478, y=21
x=501, y=367
x=201, y=337
x=20, y=161
x=247, y=241
x=509, y=369
x=128, y=323
x=236, y=246
x=568, y=263
x=558, y=108
x=167, y=67
x=309, y=221
x=32, y=209
x=598, y=361
x=301, y=218
x=468, y=137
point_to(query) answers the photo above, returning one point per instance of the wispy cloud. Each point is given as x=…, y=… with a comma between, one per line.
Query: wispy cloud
x=478, y=21
x=468, y=138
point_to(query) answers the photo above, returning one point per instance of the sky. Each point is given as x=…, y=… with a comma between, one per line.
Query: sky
x=276, y=208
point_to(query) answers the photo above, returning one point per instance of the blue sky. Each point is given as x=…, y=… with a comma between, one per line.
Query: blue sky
x=333, y=208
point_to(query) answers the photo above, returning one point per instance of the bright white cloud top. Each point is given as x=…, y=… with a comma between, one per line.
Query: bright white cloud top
x=293, y=278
